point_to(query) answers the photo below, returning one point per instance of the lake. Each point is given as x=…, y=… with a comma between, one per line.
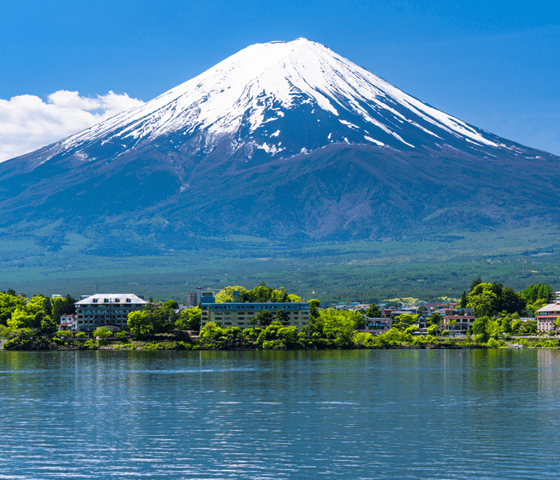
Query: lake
x=331, y=414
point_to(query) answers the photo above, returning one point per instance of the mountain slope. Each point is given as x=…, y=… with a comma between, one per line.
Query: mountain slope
x=281, y=140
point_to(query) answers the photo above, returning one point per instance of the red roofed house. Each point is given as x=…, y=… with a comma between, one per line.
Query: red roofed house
x=67, y=322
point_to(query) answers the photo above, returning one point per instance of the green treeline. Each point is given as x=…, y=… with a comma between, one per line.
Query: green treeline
x=33, y=323
x=259, y=294
x=493, y=298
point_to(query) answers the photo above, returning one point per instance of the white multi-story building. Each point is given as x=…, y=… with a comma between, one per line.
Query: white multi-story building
x=103, y=309
x=546, y=317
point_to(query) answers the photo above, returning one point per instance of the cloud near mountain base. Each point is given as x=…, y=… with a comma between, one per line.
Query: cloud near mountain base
x=27, y=122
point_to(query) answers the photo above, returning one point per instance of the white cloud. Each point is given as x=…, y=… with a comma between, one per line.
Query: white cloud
x=28, y=123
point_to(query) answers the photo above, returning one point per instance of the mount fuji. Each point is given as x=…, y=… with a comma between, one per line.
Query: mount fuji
x=283, y=140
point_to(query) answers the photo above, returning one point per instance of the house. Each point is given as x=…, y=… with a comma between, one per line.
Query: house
x=377, y=325
x=461, y=323
x=68, y=323
x=106, y=309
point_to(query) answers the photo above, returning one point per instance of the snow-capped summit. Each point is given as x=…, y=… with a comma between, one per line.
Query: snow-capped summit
x=247, y=97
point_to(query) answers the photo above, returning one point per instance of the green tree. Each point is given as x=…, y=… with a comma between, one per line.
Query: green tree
x=259, y=294
x=226, y=294
x=404, y=320
x=484, y=327
x=316, y=323
x=20, y=319
x=35, y=305
x=140, y=323
x=488, y=299
x=432, y=330
x=464, y=301
x=314, y=308
x=9, y=303
x=211, y=331
x=339, y=326
x=288, y=336
x=47, y=306
x=483, y=299
x=189, y=319
x=505, y=322
x=253, y=321
x=269, y=333
x=509, y=300
x=373, y=311
x=161, y=319
x=37, y=319
x=528, y=327
x=62, y=306
x=280, y=295
x=360, y=322
x=474, y=283
x=283, y=317
x=265, y=318
x=170, y=305
x=48, y=326
x=435, y=319
x=102, y=333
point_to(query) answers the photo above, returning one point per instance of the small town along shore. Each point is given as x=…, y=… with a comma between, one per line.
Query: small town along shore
x=264, y=318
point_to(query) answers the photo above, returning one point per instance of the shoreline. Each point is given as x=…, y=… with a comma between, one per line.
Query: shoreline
x=178, y=346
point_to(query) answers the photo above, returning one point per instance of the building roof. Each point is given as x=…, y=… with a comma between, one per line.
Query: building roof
x=552, y=307
x=108, y=298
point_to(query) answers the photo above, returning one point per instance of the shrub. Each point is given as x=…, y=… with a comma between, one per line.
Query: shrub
x=432, y=330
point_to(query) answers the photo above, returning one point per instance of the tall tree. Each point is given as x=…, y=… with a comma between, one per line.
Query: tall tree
x=189, y=319
x=474, y=283
x=265, y=318
x=283, y=317
x=373, y=311
x=464, y=301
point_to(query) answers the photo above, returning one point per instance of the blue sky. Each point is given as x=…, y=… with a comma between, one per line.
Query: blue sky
x=495, y=65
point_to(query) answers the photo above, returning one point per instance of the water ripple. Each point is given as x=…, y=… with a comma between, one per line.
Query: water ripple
x=264, y=415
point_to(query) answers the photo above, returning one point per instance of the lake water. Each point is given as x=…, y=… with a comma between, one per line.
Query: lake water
x=259, y=415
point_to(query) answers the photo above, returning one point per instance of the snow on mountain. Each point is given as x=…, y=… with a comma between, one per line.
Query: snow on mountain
x=254, y=89
x=282, y=141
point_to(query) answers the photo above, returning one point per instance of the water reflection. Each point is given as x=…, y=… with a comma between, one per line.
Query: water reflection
x=353, y=414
